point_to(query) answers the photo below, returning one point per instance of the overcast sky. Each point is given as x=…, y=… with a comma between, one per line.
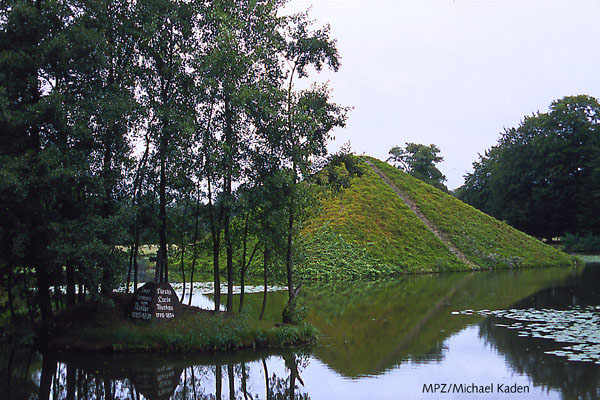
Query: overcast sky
x=454, y=73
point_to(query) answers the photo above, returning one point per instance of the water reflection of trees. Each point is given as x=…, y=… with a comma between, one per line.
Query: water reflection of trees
x=18, y=367
x=525, y=355
x=371, y=327
x=113, y=378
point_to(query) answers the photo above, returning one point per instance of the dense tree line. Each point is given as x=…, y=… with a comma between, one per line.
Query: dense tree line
x=543, y=177
x=117, y=115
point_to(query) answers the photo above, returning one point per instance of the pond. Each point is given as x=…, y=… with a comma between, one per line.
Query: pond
x=508, y=334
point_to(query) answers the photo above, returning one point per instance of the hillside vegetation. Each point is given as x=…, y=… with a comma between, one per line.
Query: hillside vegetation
x=366, y=230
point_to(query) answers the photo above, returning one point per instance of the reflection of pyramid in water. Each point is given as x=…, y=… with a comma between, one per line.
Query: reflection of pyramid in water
x=370, y=328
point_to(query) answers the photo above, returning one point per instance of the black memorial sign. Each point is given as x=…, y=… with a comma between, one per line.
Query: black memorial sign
x=155, y=301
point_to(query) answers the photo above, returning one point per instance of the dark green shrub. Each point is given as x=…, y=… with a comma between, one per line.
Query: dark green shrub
x=588, y=244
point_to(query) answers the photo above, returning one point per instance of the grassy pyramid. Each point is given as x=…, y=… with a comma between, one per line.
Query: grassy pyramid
x=367, y=230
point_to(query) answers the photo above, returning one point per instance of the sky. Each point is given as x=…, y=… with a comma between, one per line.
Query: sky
x=453, y=73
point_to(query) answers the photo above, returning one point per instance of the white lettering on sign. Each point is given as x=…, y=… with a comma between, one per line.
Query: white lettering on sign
x=163, y=291
x=161, y=307
x=141, y=307
x=164, y=299
x=141, y=315
x=164, y=315
x=144, y=298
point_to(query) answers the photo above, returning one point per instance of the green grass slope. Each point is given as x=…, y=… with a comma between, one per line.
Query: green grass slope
x=367, y=231
x=489, y=243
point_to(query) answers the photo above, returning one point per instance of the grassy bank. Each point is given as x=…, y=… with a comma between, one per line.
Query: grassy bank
x=103, y=326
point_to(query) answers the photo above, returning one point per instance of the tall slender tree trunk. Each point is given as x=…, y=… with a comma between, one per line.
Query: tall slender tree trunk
x=129, y=268
x=71, y=382
x=48, y=369
x=227, y=199
x=244, y=382
x=265, y=269
x=243, y=265
x=290, y=233
x=231, y=376
x=10, y=281
x=195, y=244
x=162, y=212
x=135, y=201
x=244, y=270
x=264, y=363
x=43, y=286
x=81, y=292
x=28, y=300
x=106, y=209
x=136, y=249
x=215, y=234
x=37, y=249
x=70, y=271
x=182, y=242
x=218, y=381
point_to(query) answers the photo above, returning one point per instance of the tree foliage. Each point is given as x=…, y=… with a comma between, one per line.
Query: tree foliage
x=543, y=177
x=121, y=122
x=419, y=161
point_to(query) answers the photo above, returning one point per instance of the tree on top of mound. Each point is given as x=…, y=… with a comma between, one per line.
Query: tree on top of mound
x=419, y=161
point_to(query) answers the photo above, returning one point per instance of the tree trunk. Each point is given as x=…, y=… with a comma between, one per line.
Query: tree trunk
x=106, y=208
x=136, y=249
x=43, y=286
x=227, y=198
x=243, y=265
x=9, y=282
x=218, y=381
x=129, y=268
x=265, y=266
x=135, y=201
x=71, y=299
x=48, y=368
x=162, y=212
x=81, y=294
x=264, y=363
x=244, y=270
x=71, y=382
x=195, y=244
x=183, y=250
x=215, y=234
x=28, y=300
x=244, y=382
x=290, y=233
x=231, y=376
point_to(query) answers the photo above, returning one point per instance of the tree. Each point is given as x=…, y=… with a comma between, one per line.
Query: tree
x=168, y=89
x=419, y=161
x=309, y=118
x=66, y=108
x=543, y=177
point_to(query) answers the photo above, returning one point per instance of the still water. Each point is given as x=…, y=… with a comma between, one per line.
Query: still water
x=452, y=336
